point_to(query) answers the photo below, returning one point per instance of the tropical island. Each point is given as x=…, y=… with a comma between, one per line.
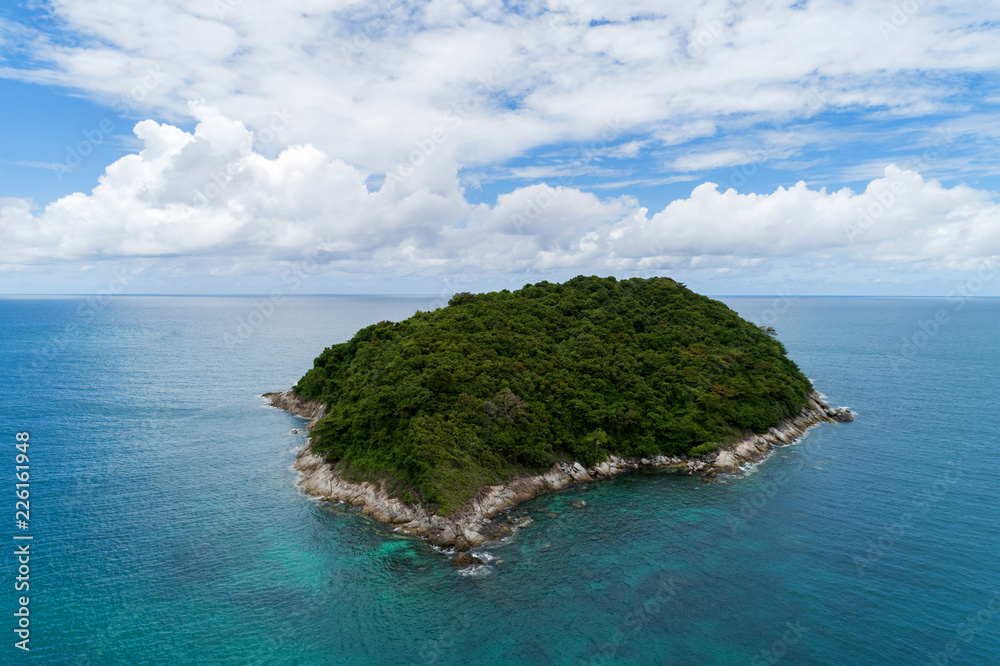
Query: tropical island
x=438, y=423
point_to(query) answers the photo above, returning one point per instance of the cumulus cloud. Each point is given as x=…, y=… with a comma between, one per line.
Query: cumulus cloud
x=900, y=217
x=354, y=127
x=209, y=192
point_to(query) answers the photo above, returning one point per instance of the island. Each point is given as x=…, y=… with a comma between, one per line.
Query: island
x=438, y=424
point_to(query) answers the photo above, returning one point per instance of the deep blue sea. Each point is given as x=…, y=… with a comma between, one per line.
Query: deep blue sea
x=167, y=528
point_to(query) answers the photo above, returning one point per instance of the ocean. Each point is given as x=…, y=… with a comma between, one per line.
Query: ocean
x=166, y=527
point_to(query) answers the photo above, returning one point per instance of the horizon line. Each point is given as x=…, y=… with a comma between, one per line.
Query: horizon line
x=439, y=295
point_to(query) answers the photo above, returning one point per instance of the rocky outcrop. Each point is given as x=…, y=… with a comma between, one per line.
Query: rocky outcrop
x=313, y=410
x=473, y=525
x=755, y=447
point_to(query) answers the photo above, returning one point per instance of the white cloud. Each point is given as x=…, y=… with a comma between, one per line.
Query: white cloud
x=306, y=101
x=207, y=193
x=366, y=82
x=899, y=214
x=713, y=160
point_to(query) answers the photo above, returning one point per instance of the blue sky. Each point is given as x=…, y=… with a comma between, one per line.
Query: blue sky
x=41, y=127
x=742, y=147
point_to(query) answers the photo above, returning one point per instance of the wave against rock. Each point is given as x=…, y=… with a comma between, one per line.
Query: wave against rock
x=474, y=524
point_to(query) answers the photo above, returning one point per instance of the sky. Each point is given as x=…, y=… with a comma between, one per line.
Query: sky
x=317, y=146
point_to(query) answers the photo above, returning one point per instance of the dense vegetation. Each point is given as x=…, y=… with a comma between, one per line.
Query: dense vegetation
x=495, y=384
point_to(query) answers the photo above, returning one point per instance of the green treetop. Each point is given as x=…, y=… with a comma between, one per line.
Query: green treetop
x=498, y=384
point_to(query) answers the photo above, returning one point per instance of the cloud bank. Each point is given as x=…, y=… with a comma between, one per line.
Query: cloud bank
x=361, y=129
x=209, y=193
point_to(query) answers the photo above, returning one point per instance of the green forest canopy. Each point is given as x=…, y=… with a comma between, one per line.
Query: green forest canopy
x=497, y=384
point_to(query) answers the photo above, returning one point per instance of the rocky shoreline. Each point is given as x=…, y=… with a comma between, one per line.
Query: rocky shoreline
x=474, y=525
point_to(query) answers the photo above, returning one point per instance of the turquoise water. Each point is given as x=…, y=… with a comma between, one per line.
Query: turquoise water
x=167, y=528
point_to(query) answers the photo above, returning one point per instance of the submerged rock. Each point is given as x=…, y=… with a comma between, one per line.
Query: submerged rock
x=491, y=530
x=465, y=560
